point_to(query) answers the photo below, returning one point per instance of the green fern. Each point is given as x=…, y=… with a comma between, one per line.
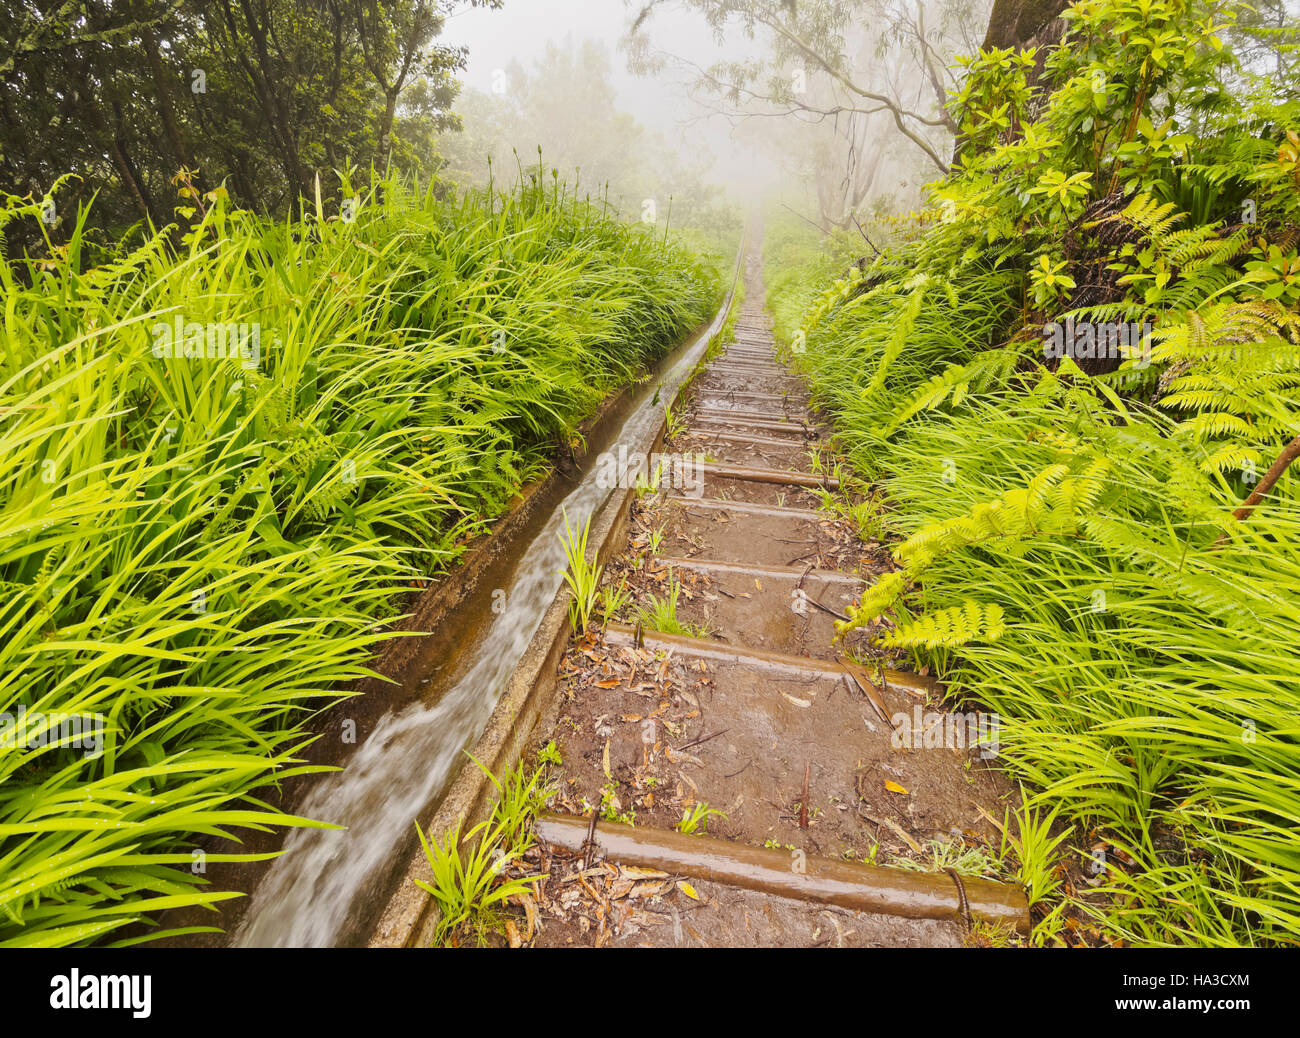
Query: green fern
x=948, y=628
x=875, y=601
x=1235, y=374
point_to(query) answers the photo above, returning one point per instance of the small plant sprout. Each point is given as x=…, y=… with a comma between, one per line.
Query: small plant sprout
x=550, y=754
x=1037, y=851
x=661, y=613
x=695, y=819
x=466, y=885
x=583, y=577
x=644, y=487
x=674, y=424
x=613, y=599
x=519, y=799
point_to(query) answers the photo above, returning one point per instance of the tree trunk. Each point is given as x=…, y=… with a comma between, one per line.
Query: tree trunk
x=163, y=83
x=126, y=171
x=1022, y=24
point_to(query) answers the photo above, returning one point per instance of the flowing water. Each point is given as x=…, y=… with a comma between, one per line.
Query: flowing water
x=328, y=882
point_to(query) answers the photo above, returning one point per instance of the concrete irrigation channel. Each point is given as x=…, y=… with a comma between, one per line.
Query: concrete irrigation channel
x=753, y=711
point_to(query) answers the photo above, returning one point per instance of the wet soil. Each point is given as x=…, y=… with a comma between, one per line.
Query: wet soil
x=675, y=731
x=763, y=533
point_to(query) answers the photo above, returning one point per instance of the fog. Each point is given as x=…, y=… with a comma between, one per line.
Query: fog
x=687, y=147
x=686, y=102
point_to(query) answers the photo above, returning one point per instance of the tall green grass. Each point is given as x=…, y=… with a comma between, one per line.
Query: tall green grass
x=197, y=553
x=1145, y=678
x=797, y=263
x=1147, y=681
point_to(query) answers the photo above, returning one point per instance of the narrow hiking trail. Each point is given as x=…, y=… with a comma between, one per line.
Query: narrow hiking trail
x=750, y=710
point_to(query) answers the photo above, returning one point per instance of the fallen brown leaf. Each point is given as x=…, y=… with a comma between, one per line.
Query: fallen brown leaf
x=869, y=688
x=637, y=872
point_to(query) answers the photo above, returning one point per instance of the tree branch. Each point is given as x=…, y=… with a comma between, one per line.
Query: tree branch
x=1289, y=453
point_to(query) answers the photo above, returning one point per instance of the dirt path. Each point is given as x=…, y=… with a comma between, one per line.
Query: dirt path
x=746, y=708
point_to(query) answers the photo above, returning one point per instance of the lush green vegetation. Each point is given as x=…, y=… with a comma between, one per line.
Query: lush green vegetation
x=259, y=96
x=198, y=550
x=1073, y=549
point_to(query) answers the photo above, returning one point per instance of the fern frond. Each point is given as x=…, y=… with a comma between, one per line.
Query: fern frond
x=874, y=602
x=948, y=628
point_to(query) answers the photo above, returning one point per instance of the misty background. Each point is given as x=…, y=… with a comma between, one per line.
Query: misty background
x=700, y=105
